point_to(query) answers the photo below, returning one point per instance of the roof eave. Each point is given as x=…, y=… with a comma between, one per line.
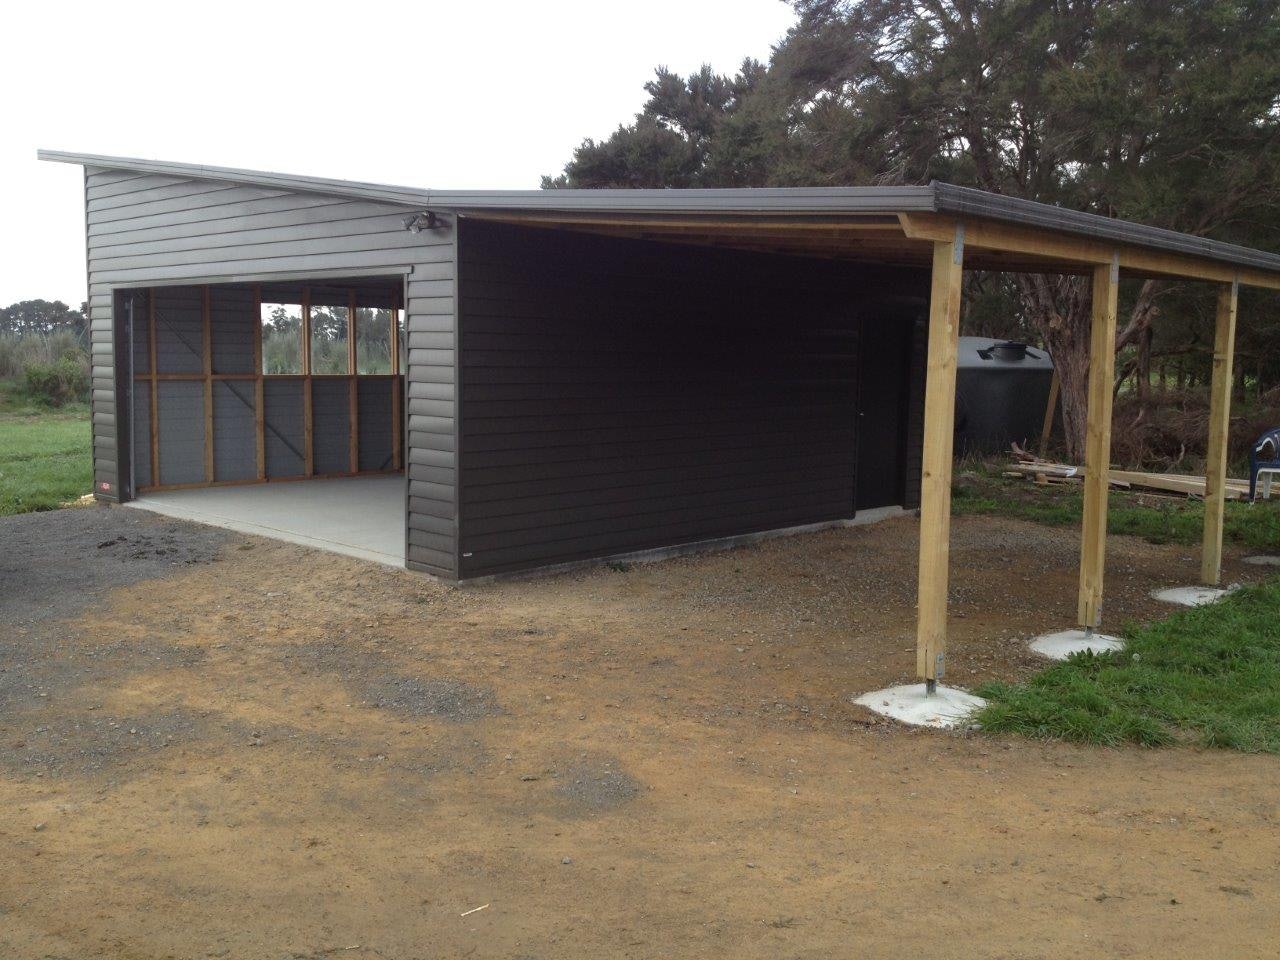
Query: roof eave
x=406, y=196
x=967, y=201
x=941, y=198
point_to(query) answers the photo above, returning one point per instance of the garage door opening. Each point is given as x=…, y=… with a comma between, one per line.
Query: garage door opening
x=272, y=408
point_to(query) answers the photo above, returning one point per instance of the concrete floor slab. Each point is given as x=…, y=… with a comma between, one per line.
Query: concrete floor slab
x=361, y=517
x=1060, y=645
x=946, y=708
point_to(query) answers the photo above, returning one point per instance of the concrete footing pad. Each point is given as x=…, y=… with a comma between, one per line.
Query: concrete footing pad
x=1060, y=645
x=946, y=708
x=1190, y=596
x=1262, y=561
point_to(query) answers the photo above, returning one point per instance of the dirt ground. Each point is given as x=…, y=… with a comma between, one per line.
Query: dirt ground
x=218, y=746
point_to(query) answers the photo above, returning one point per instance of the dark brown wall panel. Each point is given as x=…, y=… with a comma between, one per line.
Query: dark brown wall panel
x=619, y=395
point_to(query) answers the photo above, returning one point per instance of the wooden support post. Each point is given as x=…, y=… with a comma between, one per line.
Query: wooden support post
x=1215, y=468
x=206, y=312
x=259, y=399
x=1097, y=456
x=935, y=478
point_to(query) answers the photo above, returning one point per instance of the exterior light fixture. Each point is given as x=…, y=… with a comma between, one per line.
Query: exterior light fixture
x=426, y=220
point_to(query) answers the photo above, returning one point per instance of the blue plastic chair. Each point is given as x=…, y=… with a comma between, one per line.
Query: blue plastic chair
x=1264, y=461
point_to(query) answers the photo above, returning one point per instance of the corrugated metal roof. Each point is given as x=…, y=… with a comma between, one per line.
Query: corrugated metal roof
x=797, y=201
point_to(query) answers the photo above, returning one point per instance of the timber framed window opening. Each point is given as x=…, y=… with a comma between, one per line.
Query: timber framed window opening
x=252, y=383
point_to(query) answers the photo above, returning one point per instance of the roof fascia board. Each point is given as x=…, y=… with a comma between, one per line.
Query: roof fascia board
x=825, y=201
x=406, y=196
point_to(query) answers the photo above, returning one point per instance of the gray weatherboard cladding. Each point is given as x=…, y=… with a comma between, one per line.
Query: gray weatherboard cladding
x=174, y=228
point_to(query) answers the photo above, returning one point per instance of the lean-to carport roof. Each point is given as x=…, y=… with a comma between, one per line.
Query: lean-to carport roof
x=889, y=224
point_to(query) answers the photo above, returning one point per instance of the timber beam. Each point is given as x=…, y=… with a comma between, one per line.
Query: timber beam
x=1058, y=250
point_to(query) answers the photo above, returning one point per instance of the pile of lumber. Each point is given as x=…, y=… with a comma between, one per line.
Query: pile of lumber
x=1045, y=471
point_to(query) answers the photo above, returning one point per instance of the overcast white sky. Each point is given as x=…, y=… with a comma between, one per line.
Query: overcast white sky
x=428, y=94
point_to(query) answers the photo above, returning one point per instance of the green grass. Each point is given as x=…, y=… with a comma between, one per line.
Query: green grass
x=44, y=453
x=1208, y=676
x=1155, y=519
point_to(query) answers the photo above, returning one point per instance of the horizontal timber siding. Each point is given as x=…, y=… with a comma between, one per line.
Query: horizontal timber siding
x=430, y=407
x=620, y=395
x=146, y=230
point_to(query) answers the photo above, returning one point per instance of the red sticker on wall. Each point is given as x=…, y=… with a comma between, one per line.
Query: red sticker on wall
x=104, y=486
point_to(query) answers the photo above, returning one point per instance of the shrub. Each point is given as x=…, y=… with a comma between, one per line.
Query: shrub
x=1170, y=431
x=8, y=357
x=63, y=381
x=60, y=344
x=16, y=353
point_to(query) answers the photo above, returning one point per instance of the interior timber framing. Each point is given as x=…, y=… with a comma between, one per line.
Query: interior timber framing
x=150, y=380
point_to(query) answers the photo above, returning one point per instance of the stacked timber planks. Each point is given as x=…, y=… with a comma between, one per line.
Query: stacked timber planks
x=1045, y=471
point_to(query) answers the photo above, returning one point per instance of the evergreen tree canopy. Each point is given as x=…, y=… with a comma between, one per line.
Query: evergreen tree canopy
x=41, y=318
x=1165, y=112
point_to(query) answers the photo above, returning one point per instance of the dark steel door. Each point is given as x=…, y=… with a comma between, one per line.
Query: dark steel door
x=884, y=354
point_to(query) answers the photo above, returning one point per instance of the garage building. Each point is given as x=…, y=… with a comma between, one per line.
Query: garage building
x=548, y=377
x=550, y=395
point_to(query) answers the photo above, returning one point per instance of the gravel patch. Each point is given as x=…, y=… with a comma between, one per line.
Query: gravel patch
x=86, y=744
x=374, y=680
x=443, y=699
x=40, y=666
x=596, y=785
x=55, y=564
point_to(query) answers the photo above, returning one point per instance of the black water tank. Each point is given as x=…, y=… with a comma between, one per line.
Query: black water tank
x=1001, y=391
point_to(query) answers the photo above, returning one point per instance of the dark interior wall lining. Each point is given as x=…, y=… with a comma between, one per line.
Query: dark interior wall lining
x=331, y=425
x=235, y=434
x=233, y=322
x=620, y=395
x=180, y=426
x=374, y=420
x=179, y=326
x=284, y=437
